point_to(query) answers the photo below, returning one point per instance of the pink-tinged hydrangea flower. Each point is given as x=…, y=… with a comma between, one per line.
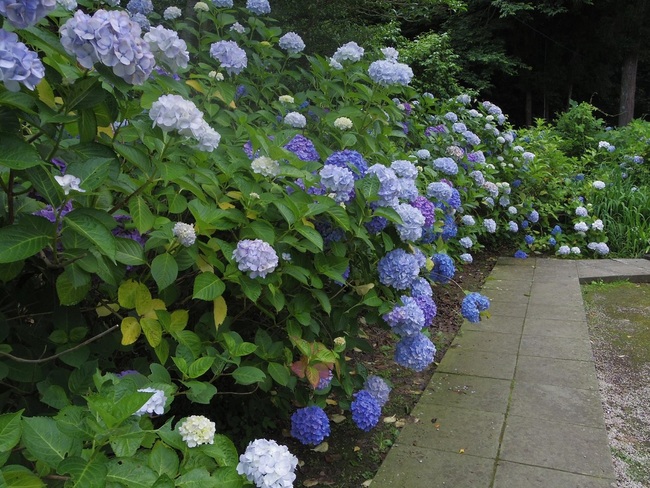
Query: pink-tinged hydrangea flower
x=267, y=464
x=184, y=233
x=310, y=425
x=350, y=51
x=295, y=120
x=167, y=48
x=378, y=388
x=155, y=404
x=197, y=430
x=365, y=410
x=258, y=7
x=232, y=58
x=24, y=13
x=385, y=73
x=292, y=43
x=415, y=352
x=18, y=64
x=398, y=269
x=256, y=257
x=112, y=38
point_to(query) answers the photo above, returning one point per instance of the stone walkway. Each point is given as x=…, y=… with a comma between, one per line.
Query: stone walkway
x=514, y=402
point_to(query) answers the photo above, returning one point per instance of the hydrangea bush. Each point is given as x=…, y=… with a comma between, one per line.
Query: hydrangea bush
x=169, y=233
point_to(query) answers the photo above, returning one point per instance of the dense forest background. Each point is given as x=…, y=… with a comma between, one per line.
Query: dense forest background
x=531, y=58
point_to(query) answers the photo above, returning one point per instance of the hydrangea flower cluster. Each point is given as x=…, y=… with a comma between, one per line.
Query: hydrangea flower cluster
x=231, y=57
x=350, y=51
x=439, y=190
x=389, y=72
x=599, y=247
x=112, y=38
x=428, y=307
x=407, y=319
x=343, y=123
x=256, y=257
x=378, y=388
x=196, y=430
x=168, y=49
x=24, y=13
x=412, y=222
x=268, y=464
x=144, y=7
x=173, y=112
x=258, y=7
x=303, y=148
x=155, y=404
x=223, y=3
x=389, y=185
x=172, y=13
x=490, y=225
x=324, y=381
x=581, y=212
x=398, y=269
x=473, y=304
x=466, y=258
x=310, y=425
x=513, y=227
x=581, y=227
x=519, y=254
x=598, y=185
x=265, y=166
x=446, y=165
x=365, y=410
x=427, y=209
x=338, y=180
x=292, y=43
x=443, y=268
x=466, y=242
x=467, y=220
x=421, y=287
x=184, y=233
x=415, y=352
x=295, y=120
x=351, y=160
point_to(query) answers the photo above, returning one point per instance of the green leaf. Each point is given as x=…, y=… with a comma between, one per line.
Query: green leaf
x=128, y=252
x=24, y=239
x=280, y=373
x=93, y=172
x=131, y=473
x=208, y=287
x=10, y=430
x=263, y=230
x=87, y=125
x=152, y=330
x=251, y=288
x=18, y=100
x=164, y=270
x=43, y=440
x=135, y=156
x=53, y=395
x=15, y=153
x=190, y=340
x=243, y=349
x=127, y=443
x=248, y=375
x=141, y=214
x=222, y=450
x=14, y=476
x=348, y=140
x=84, y=474
x=200, y=392
x=68, y=293
x=89, y=227
x=200, y=366
x=311, y=234
x=228, y=478
x=196, y=478
x=44, y=183
x=163, y=460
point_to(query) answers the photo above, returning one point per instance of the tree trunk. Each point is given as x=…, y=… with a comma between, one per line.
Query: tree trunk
x=628, y=88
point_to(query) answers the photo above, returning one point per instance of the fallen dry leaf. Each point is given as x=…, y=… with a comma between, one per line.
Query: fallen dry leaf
x=322, y=447
x=366, y=483
x=356, y=448
x=329, y=401
x=390, y=420
x=461, y=451
x=337, y=418
x=400, y=423
x=310, y=483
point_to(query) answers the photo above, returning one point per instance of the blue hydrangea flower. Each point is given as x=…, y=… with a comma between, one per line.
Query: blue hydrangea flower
x=389, y=188
x=310, y=425
x=529, y=239
x=423, y=154
x=459, y=127
x=439, y=190
x=427, y=209
x=376, y=225
x=428, y=307
x=490, y=225
x=466, y=242
x=258, y=7
x=144, y=7
x=478, y=177
x=454, y=200
x=449, y=229
x=338, y=180
x=446, y=165
x=404, y=169
x=398, y=269
x=351, y=160
x=467, y=220
x=525, y=224
x=473, y=304
x=443, y=268
x=303, y=148
x=223, y=3
x=328, y=231
x=24, y=13
x=292, y=43
x=552, y=242
x=324, y=381
x=421, y=287
x=378, y=388
x=168, y=48
x=406, y=319
x=415, y=352
x=521, y=254
x=516, y=183
x=231, y=57
x=350, y=51
x=476, y=157
x=581, y=212
x=556, y=230
x=533, y=216
x=412, y=222
x=365, y=410
x=466, y=258
x=386, y=72
x=451, y=117
x=471, y=138
x=256, y=257
x=581, y=227
x=513, y=227
x=18, y=64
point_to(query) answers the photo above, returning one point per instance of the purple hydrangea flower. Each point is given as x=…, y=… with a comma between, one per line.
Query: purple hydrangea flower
x=443, y=268
x=351, y=160
x=232, y=58
x=471, y=138
x=437, y=129
x=398, y=269
x=365, y=410
x=292, y=43
x=472, y=306
x=407, y=319
x=426, y=208
x=24, y=13
x=476, y=157
x=303, y=148
x=428, y=307
x=449, y=229
x=421, y=287
x=324, y=381
x=376, y=225
x=466, y=258
x=256, y=257
x=310, y=425
x=18, y=64
x=378, y=388
x=415, y=352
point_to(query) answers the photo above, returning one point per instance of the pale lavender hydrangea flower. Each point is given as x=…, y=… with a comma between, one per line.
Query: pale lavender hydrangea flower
x=404, y=169
x=258, y=7
x=24, y=13
x=18, y=64
x=256, y=257
x=466, y=242
x=423, y=154
x=467, y=220
x=295, y=120
x=338, y=180
x=144, y=7
x=68, y=5
x=466, y=258
x=168, y=48
x=581, y=227
x=155, y=404
x=564, y=250
x=389, y=188
x=575, y=250
x=292, y=43
x=490, y=225
x=350, y=51
x=581, y=212
x=597, y=225
x=172, y=13
x=197, y=430
x=385, y=73
x=185, y=233
x=267, y=464
x=232, y=58
x=378, y=388
x=238, y=28
x=599, y=247
x=223, y=3
x=412, y=222
x=598, y=185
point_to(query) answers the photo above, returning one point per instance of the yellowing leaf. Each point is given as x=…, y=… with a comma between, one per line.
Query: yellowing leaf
x=429, y=264
x=152, y=331
x=251, y=215
x=363, y=289
x=204, y=266
x=309, y=483
x=155, y=304
x=329, y=401
x=308, y=223
x=106, y=310
x=390, y=420
x=337, y=418
x=235, y=195
x=322, y=447
x=225, y=205
x=195, y=84
x=179, y=320
x=130, y=328
x=356, y=449
x=220, y=311
x=461, y=451
x=127, y=292
x=45, y=93
x=366, y=483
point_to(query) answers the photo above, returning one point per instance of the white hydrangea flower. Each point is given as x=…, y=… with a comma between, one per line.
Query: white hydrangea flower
x=184, y=233
x=295, y=119
x=69, y=182
x=197, y=430
x=268, y=464
x=155, y=404
x=598, y=185
x=201, y=7
x=286, y=99
x=343, y=123
x=172, y=13
x=575, y=250
x=581, y=227
x=597, y=225
x=265, y=166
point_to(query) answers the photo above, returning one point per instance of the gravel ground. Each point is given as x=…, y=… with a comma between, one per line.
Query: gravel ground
x=619, y=324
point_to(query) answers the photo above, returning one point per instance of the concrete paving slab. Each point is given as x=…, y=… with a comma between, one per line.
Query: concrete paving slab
x=508, y=309
x=510, y=261
x=512, y=285
x=517, y=296
x=480, y=340
x=453, y=429
x=557, y=347
x=558, y=372
x=471, y=392
x=479, y=363
x=513, y=475
x=412, y=467
x=557, y=403
x=513, y=273
x=497, y=323
x=559, y=311
x=569, y=329
x=565, y=292
x=558, y=445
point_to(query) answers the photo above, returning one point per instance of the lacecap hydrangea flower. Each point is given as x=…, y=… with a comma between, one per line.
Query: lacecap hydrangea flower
x=350, y=51
x=267, y=464
x=443, y=268
x=415, y=352
x=185, y=233
x=398, y=269
x=155, y=404
x=385, y=72
x=265, y=166
x=168, y=49
x=256, y=257
x=232, y=58
x=365, y=410
x=310, y=425
x=258, y=7
x=473, y=304
x=292, y=43
x=24, y=13
x=197, y=430
x=295, y=120
x=378, y=388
